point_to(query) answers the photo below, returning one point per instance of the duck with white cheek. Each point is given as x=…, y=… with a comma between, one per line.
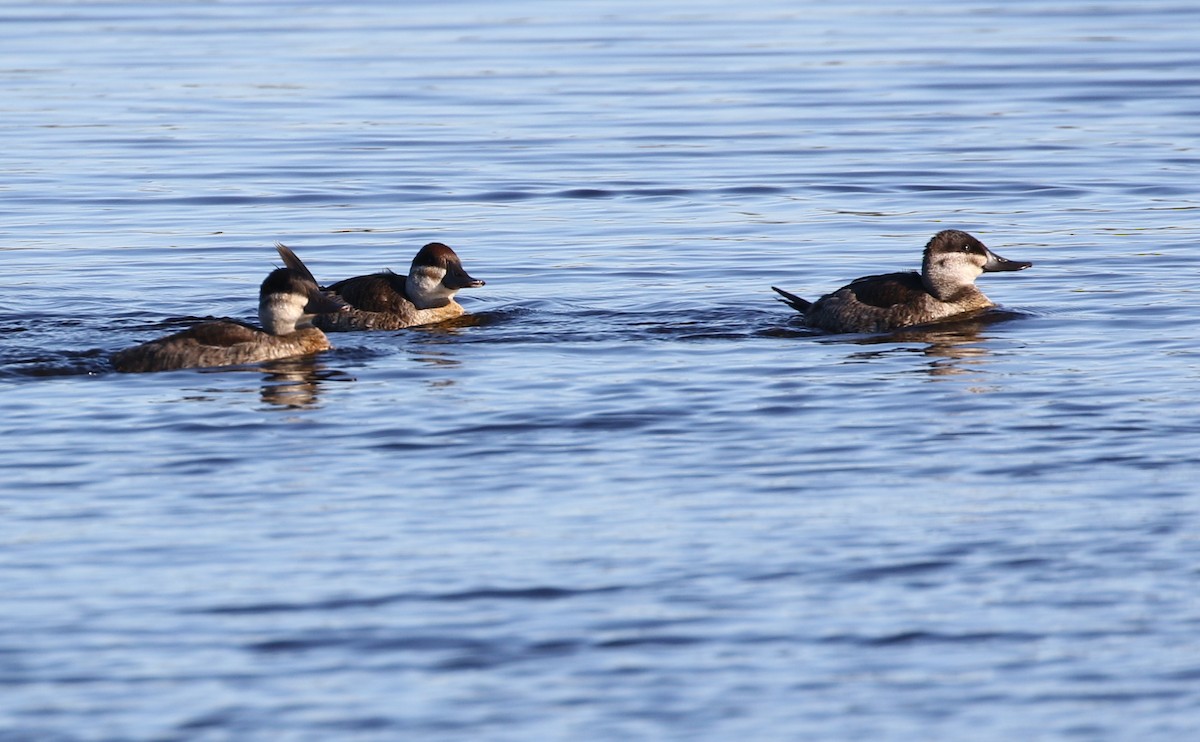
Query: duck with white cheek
x=389, y=301
x=943, y=290
x=287, y=302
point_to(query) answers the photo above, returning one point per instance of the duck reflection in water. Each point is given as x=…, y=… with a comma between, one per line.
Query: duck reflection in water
x=295, y=383
x=954, y=348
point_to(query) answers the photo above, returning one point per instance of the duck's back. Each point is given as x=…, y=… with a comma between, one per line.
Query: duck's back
x=887, y=302
x=378, y=292
x=212, y=344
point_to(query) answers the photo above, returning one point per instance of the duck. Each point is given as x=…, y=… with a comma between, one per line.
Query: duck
x=389, y=301
x=287, y=301
x=944, y=290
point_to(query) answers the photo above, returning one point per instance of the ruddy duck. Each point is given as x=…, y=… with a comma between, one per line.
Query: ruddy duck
x=943, y=290
x=387, y=301
x=287, y=301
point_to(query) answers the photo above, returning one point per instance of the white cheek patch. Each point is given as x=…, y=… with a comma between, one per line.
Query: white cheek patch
x=280, y=313
x=425, y=286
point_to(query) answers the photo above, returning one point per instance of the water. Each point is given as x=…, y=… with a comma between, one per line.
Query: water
x=629, y=498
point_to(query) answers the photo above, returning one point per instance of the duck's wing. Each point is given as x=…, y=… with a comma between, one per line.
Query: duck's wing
x=378, y=292
x=887, y=290
x=221, y=334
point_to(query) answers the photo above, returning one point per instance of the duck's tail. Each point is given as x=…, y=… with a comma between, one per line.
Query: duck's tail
x=793, y=301
x=293, y=261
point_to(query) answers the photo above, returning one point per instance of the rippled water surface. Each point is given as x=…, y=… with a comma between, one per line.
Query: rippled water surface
x=628, y=497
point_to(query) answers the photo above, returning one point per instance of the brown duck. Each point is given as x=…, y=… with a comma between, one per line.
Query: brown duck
x=943, y=290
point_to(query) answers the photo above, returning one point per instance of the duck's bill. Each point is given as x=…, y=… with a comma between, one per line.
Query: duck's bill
x=461, y=280
x=996, y=263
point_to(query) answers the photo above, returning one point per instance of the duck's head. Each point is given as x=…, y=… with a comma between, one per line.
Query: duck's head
x=436, y=275
x=954, y=259
x=289, y=299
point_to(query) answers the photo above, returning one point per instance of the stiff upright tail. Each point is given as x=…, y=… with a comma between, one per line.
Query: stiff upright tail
x=793, y=301
x=291, y=260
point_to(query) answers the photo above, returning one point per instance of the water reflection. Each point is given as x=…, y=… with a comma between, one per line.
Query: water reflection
x=295, y=383
x=434, y=357
x=954, y=348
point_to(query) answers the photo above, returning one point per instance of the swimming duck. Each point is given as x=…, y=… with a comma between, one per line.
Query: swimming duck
x=943, y=290
x=388, y=301
x=287, y=300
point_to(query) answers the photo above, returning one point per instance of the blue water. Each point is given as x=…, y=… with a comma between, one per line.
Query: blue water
x=630, y=497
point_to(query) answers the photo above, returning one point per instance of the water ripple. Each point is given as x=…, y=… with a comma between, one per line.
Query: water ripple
x=629, y=496
x=534, y=594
